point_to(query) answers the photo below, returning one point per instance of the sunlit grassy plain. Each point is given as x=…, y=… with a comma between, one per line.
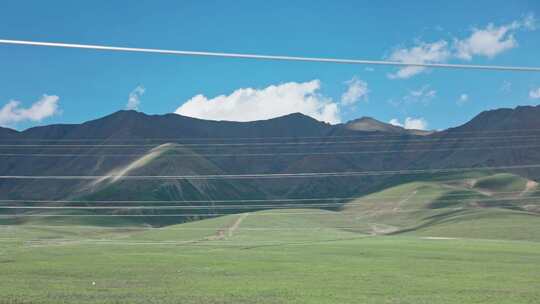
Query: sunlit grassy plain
x=420, y=242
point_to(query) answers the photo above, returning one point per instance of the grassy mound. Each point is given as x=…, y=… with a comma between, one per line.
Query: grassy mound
x=503, y=182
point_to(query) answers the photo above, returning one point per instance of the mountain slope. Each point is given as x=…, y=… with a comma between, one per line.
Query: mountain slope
x=132, y=143
x=453, y=207
x=6, y=133
x=369, y=124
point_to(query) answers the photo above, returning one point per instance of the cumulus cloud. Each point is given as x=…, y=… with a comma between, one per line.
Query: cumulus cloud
x=134, y=98
x=534, y=94
x=463, y=98
x=12, y=112
x=248, y=104
x=422, y=53
x=356, y=90
x=411, y=123
x=492, y=40
x=488, y=42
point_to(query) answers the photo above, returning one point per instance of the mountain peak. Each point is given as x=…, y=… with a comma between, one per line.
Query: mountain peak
x=295, y=115
x=370, y=124
x=126, y=113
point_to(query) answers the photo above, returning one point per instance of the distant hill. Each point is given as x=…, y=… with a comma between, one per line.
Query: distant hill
x=134, y=143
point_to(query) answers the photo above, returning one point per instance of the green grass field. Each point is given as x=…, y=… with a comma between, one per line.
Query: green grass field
x=444, y=241
x=359, y=269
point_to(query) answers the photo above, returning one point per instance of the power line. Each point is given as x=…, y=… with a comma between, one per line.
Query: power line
x=271, y=57
x=264, y=154
x=168, y=228
x=130, y=215
x=277, y=200
x=264, y=175
x=203, y=215
x=195, y=243
x=327, y=136
x=273, y=206
x=136, y=228
x=438, y=140
x=214, y=214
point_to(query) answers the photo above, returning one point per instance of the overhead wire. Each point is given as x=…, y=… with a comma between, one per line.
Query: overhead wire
x=369, y=134
x=414, y=140
x=270, y=57
x=383, y=197
x=268, y=175
x=266, y=154
x=274, y=206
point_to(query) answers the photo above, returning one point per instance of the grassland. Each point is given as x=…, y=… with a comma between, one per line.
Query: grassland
x=381, y=269
x=443, y=241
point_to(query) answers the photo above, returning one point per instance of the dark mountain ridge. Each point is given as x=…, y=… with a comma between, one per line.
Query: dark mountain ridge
x=129, y=123
x=520, y=119
x=524, y=117
x=133, y=143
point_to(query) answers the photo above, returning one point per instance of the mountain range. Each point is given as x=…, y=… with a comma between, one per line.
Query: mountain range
x=128, y=143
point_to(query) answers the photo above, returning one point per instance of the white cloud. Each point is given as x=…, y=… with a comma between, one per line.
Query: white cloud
x=489, y=42
x=415, y=123
x=12, y=112
x=463, y=98
x=134, y=99
x=534, y=94
x=395, y=122
x=411, y=123
x=486, y=42
x=356, y=90
x=492, y=40
x=422, y=53
x=248, y=104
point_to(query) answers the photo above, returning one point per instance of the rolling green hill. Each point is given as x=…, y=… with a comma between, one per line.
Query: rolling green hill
x=462, y=208
x=466, y=208
x=502, y=182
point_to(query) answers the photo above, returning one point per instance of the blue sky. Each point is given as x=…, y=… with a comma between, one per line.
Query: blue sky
x=50, y=85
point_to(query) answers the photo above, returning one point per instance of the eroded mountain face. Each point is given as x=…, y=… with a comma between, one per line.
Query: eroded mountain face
x=130, y=143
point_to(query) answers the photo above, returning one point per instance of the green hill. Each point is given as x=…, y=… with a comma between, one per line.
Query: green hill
x=441, y=208
x=471, y=207
x=502, y=182
x=494, y=207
